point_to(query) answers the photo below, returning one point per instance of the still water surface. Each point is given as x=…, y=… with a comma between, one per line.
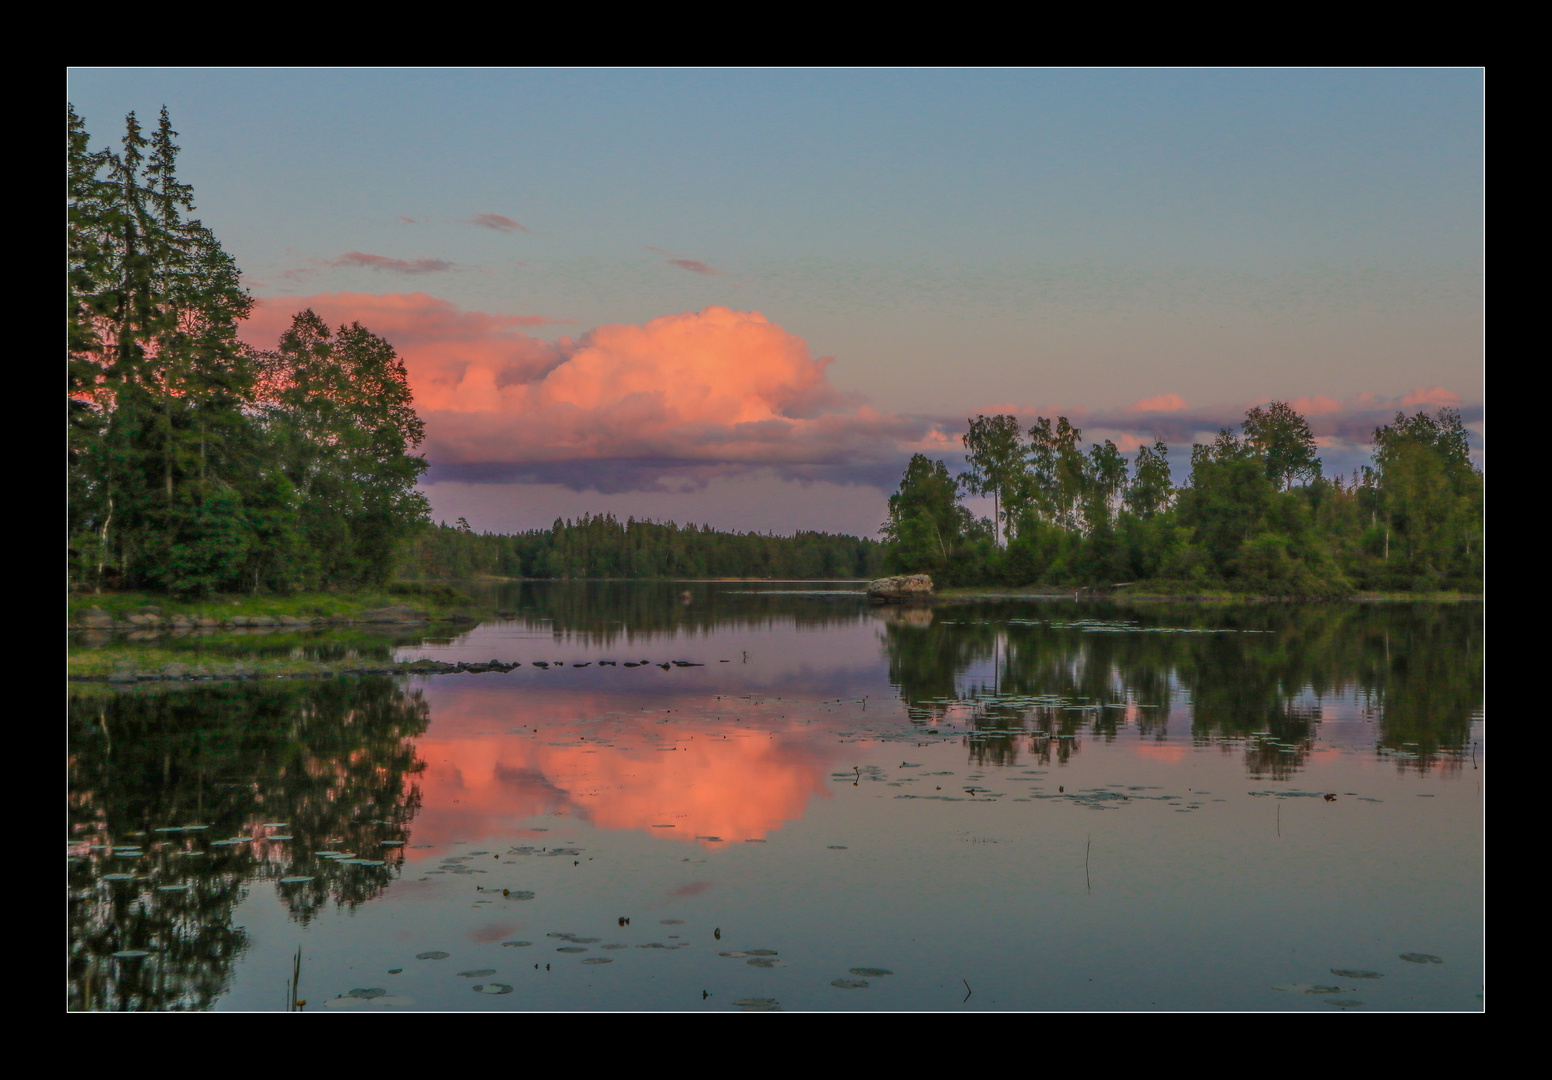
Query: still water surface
x=1047, y=805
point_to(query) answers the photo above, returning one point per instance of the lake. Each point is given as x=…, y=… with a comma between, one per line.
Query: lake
x=760, y=796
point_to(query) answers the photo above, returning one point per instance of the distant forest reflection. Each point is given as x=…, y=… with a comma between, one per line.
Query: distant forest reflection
x=1255, y=675
x=181, y=800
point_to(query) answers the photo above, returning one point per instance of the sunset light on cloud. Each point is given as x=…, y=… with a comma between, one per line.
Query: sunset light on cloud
x=695, y=394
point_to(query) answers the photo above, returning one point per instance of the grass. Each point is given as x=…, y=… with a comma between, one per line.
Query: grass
x=432, y=598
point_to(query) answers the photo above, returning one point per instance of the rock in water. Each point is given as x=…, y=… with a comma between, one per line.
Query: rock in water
x=899, y=589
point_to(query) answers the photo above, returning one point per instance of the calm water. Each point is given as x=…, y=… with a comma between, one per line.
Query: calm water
x=1021, y=806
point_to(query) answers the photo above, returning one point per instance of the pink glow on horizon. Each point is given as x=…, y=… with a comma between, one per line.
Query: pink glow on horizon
x=1161, y=403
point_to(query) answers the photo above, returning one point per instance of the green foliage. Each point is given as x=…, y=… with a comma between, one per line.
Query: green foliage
x=193, y=464
x=1256, y=514
x=928, y=531
x=994, y=456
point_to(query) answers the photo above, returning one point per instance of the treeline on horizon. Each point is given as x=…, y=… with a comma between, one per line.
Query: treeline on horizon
x=1256, y=513
x=602, y=546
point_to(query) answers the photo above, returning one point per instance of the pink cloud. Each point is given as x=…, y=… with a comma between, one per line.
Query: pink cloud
x=695, y=266
x=1432, y=397
x=1319, y=405
x=498, y=222
x=1161, y=403
x=696, y=395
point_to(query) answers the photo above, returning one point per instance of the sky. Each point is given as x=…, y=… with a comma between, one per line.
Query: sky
x=745, y=298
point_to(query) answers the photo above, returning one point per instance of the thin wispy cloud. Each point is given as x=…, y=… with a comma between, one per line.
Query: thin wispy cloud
x=499, y=223
x=391, y=265
x=694, y=266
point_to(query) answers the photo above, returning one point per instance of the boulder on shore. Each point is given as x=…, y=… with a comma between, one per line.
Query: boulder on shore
x=899, y=589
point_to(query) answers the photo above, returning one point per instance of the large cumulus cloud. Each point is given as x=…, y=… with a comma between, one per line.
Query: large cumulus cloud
x=679, y=400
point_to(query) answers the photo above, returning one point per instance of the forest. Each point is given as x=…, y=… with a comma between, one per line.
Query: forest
x=1255, y=515
x=197, y=464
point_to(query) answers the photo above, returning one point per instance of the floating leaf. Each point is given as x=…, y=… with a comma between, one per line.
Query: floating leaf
x=1421, y=958
x=763, y=962
x=518, y=894
x=172, y=888
x=294, y=880
x=871, y=973
x=849, y=984
x=571, y=948
x=758, y=1004
x=763, y=952
x=1307, y=988
x=598, y=960
x=733, y=955
x=131, y=954
x=1345, y=973
x=118, y=877
x=1344, y=1003
x=494, y=988
x=479, y=974
x=432, y=956
x=369, y=993
x=515, y=944
x=280, y=838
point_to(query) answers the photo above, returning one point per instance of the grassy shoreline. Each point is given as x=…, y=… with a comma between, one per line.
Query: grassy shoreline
x=434, y=599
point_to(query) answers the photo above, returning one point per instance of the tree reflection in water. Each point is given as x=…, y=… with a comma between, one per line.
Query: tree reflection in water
x=333, y=762
x=1044, y=676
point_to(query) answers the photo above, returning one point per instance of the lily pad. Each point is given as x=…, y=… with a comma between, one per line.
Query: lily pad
x=494, y=988
x=616, y=945
x=432, y=956
x=763, y=952
x=280, y=838
x=131, y=954
x=1307, y=988
x=733, y=955
x=515, y=944
x=172, y=888
x=764, y=962
x=478, y=974
x=598, y=960
x=849, y=984
x=294, y=880
x=1421, y=958
x=368, y=992
x=871, y=973
x=518, y=894
x=118, y=877
x=758, y=1004
x=1344, y=1003
x=571, y=949
x=1345, y=973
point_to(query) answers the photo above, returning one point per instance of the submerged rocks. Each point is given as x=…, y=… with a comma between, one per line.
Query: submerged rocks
x=902, y=589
